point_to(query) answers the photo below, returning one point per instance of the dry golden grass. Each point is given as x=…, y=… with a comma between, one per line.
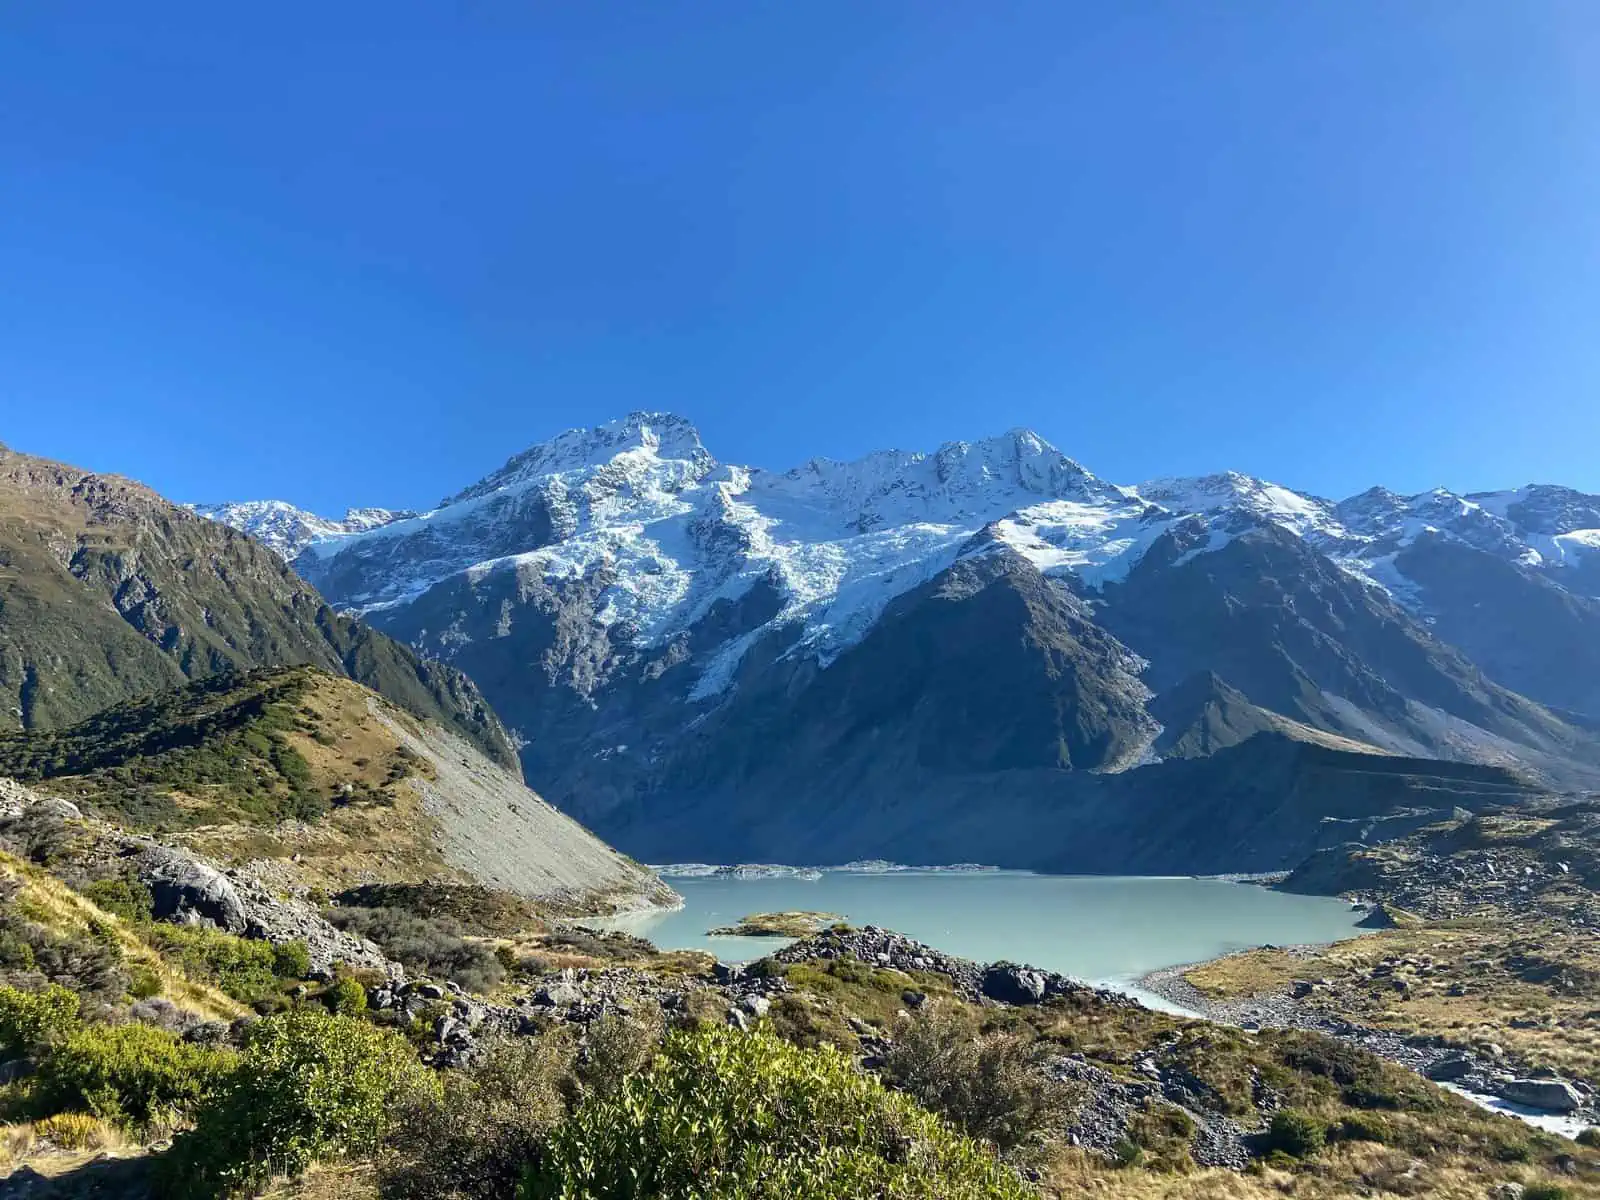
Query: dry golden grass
x=1359, y=1169
x=1499, y=970
x=77, y=1131
x=344, y=1181
x=45, y=899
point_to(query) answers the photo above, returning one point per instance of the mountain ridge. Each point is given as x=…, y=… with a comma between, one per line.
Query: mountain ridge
x=661, y=628
x=108, y=591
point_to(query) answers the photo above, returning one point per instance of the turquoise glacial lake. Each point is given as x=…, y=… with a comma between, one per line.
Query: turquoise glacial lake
x=1104, y=929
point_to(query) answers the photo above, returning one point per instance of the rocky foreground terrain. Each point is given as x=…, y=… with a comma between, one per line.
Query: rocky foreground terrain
x=1488, y=979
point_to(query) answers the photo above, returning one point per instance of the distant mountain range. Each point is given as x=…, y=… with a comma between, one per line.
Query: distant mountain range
x=941, y=656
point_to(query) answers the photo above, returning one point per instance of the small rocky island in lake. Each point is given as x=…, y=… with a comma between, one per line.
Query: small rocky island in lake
x=778, y=924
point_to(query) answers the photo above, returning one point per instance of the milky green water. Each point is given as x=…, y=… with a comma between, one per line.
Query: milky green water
x=1107, y=930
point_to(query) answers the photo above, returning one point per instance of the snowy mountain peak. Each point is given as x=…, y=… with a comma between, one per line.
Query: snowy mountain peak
x=287, y=530
x=1297, y=511
x=663, y=436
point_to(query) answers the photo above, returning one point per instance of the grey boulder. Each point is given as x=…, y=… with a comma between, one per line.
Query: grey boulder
x=1011, y=984
x=1551, y=1095
x=186, y=889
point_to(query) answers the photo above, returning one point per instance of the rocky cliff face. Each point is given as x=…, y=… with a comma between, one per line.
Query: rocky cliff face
x=704, y=660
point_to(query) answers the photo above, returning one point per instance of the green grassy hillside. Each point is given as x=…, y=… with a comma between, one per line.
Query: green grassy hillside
x=109, y=592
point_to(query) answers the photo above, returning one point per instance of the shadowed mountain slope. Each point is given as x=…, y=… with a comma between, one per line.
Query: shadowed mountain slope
x=108, y=591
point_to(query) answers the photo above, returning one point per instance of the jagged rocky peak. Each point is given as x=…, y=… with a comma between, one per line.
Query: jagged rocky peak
x=663, y=437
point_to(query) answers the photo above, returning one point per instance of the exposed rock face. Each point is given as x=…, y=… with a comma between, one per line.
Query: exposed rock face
x=189, y=889
x=1011, y=984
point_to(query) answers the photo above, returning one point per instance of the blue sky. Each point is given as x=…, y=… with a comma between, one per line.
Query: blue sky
x=361, y=253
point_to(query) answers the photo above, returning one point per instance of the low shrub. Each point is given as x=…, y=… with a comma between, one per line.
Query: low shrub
x=346, y=996
x=129, y=1073
x=310, y=1086
x=252, y=972
x=1361, y=1127
x=737, y=1115
x=291, y=960
x=474, y=1141
x=32, y=1019
x=1362, y=1079
x=143, y=983
x=1590, y=1137
x=39, y=834
x=600, y=943
x=617, y=1047
x=89, y=963
x=1297, y=1134
x=126, y=898
x=427, y=945
x=993, y=1086
x=1544, y=1190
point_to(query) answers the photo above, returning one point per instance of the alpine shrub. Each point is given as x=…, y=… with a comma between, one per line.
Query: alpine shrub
x=474, y=1141
x=992, y=1086
x=740, y=1116
x=1296, y=1134
x=29, y=1019
x=129, y=1073
x=310, y=1086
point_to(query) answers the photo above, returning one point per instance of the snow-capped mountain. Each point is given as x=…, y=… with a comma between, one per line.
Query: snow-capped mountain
x=641, y=614
x=643, y=496
x=287, y=530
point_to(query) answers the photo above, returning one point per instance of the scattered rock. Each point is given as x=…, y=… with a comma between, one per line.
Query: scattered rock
x=1448, y=1070
x=1011, y=984
x=1551, y=1095
x=558, y=995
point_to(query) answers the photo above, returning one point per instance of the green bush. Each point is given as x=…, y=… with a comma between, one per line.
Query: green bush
x=1544, y=1191
x=310, y=1086
x=993, y=1086
x=126, y=898
x=30, y=1019
x=143, y=983
x=1362, y=1079
x=1590, y=1137
x=129, y=1072
x=616, y=1048
x=475, y=1140
x=89, y=963
x=291, y=960
x=1296, y=1134
x=1361, y=1127
x=739, y=1116
x=252, y=972
x=347, y=996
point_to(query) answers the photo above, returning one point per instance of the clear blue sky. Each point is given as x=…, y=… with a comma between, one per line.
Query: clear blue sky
x=362, y=252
